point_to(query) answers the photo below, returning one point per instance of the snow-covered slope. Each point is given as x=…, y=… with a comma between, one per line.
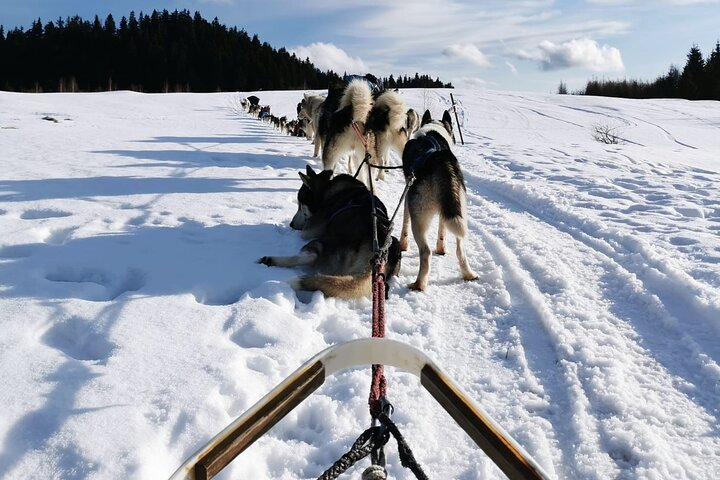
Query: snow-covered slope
x=135, y=323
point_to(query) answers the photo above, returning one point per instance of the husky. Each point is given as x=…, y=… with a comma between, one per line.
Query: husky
x=309, y=111
x=334, y=213
x=341, y=138
x=319, y=111
x=438, y=188
x=390, y=123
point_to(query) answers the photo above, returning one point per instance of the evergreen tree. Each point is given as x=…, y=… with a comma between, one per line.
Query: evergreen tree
x=712, y=74
x=160, y=51
x=692, y=78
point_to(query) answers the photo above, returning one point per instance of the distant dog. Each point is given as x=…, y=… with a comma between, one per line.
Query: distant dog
x=341, y=139
x=438, y=188
x=334, y=213
x=309, y=111
x=390, y=124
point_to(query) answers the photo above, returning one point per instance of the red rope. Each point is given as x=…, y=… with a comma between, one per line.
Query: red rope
x=362, y=138
x=378, y=387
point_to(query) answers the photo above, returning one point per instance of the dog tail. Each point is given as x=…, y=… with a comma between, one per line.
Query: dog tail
x=341, y=286
x=358, y=95
x=397, y=111
x=453, y=207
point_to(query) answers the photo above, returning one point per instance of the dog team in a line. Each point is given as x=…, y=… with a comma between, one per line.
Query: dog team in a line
x=335, y=210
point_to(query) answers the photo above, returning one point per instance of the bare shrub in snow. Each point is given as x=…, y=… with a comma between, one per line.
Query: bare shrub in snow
x=606, y=134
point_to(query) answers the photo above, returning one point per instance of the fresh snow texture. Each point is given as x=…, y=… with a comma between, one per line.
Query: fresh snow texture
x=135, y=323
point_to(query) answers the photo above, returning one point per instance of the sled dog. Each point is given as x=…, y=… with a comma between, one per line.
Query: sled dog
x=438, y=188
x=341, y=138
x=309, y=111
x=320, y=111
x=391, y=124
x=334, y=213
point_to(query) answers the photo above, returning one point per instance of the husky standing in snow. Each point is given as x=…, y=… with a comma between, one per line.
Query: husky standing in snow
x=390, y=123
x=341, y=139
x=334, y=213
x=309, y=111
x=438, y=188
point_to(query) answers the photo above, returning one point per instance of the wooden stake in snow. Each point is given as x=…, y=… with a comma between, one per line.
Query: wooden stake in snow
x=456, y=118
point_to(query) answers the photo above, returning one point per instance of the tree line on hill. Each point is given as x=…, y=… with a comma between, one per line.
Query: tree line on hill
x=698, y=80
x=160, y=52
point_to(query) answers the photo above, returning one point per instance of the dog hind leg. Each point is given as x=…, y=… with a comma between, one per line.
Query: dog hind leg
x=419, y=228
x=405, y=228
x=467, y=273
x=458, y=226
x=440, y=245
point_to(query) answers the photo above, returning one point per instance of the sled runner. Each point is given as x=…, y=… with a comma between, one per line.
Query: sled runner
x=502, y=449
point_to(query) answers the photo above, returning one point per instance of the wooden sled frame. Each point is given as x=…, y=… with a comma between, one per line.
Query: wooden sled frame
x=502, y=449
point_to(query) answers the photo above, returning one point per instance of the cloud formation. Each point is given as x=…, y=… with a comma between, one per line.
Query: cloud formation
x=327, y=56
x=467, y=52
x=577, y=53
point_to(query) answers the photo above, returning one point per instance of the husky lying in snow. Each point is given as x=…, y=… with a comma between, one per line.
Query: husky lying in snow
x=334, y=213
x=439, y=188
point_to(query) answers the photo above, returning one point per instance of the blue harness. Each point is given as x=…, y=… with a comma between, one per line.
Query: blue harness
x=431, y=146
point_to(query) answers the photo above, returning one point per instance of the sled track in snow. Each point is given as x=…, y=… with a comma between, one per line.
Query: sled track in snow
x=592, y=412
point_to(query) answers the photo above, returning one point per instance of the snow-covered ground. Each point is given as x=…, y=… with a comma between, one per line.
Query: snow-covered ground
x=135, y=323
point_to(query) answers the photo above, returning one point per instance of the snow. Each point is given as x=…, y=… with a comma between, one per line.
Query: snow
x=135, y=323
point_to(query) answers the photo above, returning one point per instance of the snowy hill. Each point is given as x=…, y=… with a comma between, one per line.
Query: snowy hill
x=135, y=323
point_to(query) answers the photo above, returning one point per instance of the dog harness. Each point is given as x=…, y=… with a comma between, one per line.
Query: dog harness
x=431, y=146
x=361, y=200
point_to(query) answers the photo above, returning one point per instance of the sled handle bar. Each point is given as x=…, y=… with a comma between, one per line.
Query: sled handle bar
x=502, y=449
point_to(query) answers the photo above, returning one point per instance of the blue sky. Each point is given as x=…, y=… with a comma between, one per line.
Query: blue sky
x=522, y=45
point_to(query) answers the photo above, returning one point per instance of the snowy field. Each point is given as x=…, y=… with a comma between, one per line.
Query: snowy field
x=135, y=322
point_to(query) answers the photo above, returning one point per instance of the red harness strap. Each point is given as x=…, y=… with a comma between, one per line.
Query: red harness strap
x=378, y=386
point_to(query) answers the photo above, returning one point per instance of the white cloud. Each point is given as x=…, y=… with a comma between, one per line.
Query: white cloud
x=471, y=82
x=468, y=52
x=577, y=53
x=511, y=67
x=327, y=56
x=651, y=4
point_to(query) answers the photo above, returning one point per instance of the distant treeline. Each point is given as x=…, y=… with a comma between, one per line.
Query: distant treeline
x=159, y=52
x=699, y=80
x=418, y=81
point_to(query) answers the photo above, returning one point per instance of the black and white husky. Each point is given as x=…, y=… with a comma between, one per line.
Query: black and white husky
x=438, y=189
x=341, y=139
x=334, y=213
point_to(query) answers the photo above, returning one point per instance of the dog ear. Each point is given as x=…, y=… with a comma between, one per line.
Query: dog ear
x=305, y=179
x=447, y=121
x=310, y=172
x=426, y=118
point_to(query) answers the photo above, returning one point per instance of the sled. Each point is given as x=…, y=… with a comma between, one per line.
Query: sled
x=502, y=449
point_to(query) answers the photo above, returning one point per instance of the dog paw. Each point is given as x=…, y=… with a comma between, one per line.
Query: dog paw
x=403, y=246
x=439, y=251
x=470, y=276
x=418, y=287
x=266, y=261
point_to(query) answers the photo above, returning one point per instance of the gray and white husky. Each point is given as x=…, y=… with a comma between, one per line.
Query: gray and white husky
x=390, y=124
x=334, y=213
x=309, y=111
x=438, y=189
